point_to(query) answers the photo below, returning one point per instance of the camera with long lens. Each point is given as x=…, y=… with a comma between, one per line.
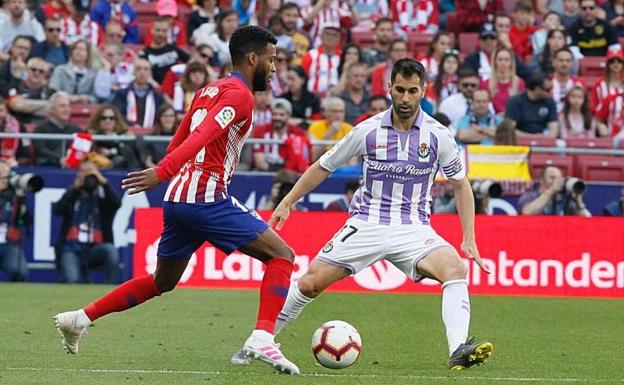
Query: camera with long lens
x=487, y=187
x=90, y=183
x=574, y=186
x=25, y=183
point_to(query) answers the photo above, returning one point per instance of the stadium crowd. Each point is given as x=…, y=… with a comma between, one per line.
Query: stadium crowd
x=498, y=72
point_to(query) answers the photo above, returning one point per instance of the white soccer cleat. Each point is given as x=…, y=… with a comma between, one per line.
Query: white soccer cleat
x=241, y=358
x=260, y=345
x=66, y=325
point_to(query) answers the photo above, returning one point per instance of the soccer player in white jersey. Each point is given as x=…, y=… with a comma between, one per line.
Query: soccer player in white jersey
x=403, y=148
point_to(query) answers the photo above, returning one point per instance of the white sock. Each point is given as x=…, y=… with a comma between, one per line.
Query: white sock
x=455, y=312
x=82, y=320
x=262, y=335
x=295, y=302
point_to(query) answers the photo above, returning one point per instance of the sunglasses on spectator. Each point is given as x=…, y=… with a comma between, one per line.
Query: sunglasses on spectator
x=588, y=8
x=53, y=29
x=168, y=116
x=205, y=55
x=469, y=85
x=107, y=117
x=450, y=51
x=121, y=34
x=37, y=70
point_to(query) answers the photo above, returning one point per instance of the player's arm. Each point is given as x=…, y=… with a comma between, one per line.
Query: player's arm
x=453, y=168
x=351, y=145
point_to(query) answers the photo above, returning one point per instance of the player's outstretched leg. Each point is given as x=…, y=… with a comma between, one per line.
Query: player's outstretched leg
x=73, y=324
x=319, y=276
x=278, y=257
x=445, y=265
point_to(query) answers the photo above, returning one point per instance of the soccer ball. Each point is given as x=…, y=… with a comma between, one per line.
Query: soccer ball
x=336, y=344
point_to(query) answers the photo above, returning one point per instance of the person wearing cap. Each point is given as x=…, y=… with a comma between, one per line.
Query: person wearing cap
x=176, y=34
x=479, y=61
x=611, y=81
x=321, y=64
x=78, y=25
x=120, y=10
x=592, y=36
x=273, y=156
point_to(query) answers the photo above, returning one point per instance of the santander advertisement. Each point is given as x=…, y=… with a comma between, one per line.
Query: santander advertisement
x=528, y=255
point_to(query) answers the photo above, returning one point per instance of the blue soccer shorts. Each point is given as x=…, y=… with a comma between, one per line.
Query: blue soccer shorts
x=226, y=224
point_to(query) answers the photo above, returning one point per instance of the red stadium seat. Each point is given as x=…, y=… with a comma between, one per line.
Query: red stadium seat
x=139, y=131
x=363, y=39
x=591, y=66
x=537, y=162
x=452, y=23
x=143, y=26
x=81, y=113
x=468, y=42
x=590, y=143
x=418, y=43
x=536, y=141
x=590, y=81
x=601, y=168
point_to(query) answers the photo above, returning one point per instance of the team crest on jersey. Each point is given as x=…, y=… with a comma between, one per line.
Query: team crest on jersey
x=599, y=29
x=423, y=150
x=225, y=116
x=329, y=246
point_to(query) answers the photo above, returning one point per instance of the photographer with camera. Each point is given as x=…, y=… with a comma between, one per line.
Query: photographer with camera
x=85, y=241
x=14, y=217
x=554, y=195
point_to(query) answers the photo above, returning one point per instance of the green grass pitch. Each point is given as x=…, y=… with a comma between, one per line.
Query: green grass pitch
x=187, y=337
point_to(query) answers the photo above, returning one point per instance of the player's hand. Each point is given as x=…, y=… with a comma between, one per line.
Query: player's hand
x=139, y=181
x=469, y=247
x=279, y=216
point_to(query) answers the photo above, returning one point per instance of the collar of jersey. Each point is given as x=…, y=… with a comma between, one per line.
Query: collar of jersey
x=239, y=76
x=386, y=119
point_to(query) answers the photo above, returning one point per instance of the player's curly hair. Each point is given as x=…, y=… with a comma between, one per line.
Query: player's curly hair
x=407, y=68
x=249, y=39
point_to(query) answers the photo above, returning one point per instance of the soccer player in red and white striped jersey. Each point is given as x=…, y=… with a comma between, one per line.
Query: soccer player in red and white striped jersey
x=197, y=208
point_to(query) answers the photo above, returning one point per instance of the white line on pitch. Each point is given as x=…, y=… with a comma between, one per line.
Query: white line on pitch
x=347, y=375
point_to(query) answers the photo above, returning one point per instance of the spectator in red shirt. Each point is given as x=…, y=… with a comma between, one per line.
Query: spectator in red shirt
x=472, y=14
x=522, y=29
x=381, y=75
x=55, y=8
x=611, y=82
x=275, y=156
x=503, y=82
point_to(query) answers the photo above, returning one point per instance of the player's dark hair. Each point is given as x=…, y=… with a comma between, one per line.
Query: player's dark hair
x=407, y=68
x=249, y=39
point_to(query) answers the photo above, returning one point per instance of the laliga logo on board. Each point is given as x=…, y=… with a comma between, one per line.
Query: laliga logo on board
x=151, y=256
x=381, y=275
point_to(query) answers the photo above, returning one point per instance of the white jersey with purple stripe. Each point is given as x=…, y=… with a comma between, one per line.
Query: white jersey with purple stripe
x=399, y=167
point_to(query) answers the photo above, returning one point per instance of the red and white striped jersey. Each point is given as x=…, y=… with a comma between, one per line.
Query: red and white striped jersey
x=207, y=144
x=338, y=14
x=560, y=90
x=611, y=112
x=87, y=29
x=600, y=92
x=415, y=15
x=321, y=69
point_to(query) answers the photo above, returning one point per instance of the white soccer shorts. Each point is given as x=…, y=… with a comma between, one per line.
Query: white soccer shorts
x=359, y=244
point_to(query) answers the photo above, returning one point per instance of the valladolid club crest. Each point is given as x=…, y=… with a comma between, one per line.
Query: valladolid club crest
x=423, y=150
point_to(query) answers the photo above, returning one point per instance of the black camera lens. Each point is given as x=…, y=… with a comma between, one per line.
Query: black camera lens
x=90, y=183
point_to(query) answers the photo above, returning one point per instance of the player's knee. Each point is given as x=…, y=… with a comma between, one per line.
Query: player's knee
x=458, y=270
x=288, y=253
x=308, y=286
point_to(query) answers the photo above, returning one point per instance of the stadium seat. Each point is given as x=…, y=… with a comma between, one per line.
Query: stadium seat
x=537, y=162
x=590, y=143
x=143, y=26
x=139, y=131
x=81, y=113
x=590, y=81
x=363, y=39
x=591, y=66
x=601, y=168
x=418, y=43
x=468, y=42
x=452, y=23
x=536, y=141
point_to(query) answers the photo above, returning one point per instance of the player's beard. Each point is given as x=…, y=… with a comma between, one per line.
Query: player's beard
x=404, y=114
x=260, y=80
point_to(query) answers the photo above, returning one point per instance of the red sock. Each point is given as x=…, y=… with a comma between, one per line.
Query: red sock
x=124, y=296
x=273, y=292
